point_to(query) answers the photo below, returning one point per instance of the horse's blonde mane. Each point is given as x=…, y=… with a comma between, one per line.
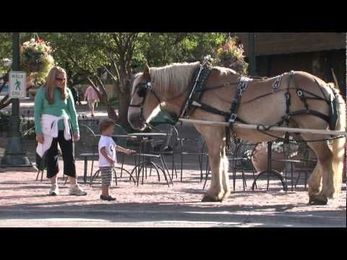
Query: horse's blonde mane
x=176, y=75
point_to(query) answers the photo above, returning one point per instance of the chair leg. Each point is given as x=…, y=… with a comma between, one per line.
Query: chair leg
x=181, y=166
x=206, y=177
x=165, y=170
x=121, y=171
x=115, y=175
x=85, y=171
x=306, y=179
x=200, y=167
x=138, y=172
x=253, y=172
x=144, y=169
x=234, y=176
x=243, y=179
x=173, y=166
x=297, y=180
x=92, y=167
x=207, y=167
x=94, y=176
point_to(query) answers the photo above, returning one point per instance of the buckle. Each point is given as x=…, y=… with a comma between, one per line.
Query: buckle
x=232, y=118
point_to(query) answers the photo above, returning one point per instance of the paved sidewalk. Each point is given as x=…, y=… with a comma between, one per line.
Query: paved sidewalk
x=24, y=203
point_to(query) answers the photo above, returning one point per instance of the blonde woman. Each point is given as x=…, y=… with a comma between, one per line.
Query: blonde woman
x=56, y=122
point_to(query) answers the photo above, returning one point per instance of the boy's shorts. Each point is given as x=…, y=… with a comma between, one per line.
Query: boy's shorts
x=106, y=176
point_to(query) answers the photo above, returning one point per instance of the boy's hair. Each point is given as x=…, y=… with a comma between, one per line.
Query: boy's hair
x=106, y=123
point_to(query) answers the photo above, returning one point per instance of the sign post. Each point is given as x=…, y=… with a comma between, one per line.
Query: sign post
x=15, y=154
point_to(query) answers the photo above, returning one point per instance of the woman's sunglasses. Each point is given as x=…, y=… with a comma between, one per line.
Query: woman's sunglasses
x=60, y=79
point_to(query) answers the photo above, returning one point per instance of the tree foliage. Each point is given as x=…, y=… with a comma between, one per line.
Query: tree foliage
x=89, y=57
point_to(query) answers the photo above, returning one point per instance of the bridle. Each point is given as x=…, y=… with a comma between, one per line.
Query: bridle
x=142, y=90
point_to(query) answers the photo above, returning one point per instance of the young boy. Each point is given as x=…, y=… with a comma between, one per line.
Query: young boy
x=107, y=156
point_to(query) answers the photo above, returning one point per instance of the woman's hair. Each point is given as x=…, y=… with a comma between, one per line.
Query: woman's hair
x=51, y=85
x=106, y=123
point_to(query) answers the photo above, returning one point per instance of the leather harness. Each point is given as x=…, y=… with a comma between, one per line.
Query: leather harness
x=200, y=78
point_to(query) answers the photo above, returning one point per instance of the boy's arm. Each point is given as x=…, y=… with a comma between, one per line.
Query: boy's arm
x=105, y=154
x=124, y=150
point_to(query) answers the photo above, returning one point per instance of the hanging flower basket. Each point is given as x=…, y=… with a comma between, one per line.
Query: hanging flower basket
x=231, y=55
x=36, y=59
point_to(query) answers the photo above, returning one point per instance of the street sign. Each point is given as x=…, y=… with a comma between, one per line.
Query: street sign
x=17, y=84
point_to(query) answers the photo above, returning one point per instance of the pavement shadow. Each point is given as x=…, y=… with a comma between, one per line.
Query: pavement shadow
x=225, y=215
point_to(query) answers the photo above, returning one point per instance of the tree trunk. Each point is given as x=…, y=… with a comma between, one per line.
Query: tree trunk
x=124, y=100
x=112, y=113
x=124, y=96
x=102, y=94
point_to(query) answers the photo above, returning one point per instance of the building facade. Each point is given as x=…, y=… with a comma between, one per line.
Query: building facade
x=316, y=53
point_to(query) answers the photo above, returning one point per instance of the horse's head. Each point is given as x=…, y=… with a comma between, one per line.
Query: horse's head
x=143, y=100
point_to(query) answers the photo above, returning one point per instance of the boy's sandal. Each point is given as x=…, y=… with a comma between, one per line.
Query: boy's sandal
x=108, y=198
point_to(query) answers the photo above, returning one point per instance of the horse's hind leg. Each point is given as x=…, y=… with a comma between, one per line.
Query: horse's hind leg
x=314, y=181
x=324, y=171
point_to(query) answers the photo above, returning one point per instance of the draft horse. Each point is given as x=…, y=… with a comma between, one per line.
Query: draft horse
x=205, y=92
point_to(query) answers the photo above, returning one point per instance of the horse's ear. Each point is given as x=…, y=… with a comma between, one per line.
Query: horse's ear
x=146, y=74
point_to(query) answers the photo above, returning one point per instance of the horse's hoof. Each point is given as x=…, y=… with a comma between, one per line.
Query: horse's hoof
x=208, y=198
x=226, y=196
x=318, y=200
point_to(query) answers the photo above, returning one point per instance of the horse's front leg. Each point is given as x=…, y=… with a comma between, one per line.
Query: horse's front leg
x=215, y=152
x=225, y=174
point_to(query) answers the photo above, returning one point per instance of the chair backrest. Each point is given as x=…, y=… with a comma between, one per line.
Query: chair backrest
x=119, y=130
x=168, y=142
x=92, y=123
x=306, y=155
x=240, y=154
x=190, y=139
x=89, y=141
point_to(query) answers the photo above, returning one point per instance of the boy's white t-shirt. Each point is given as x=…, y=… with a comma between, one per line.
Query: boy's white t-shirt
x=108, y=142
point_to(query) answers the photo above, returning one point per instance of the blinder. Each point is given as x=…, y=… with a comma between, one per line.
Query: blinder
x=141, y=92
x=142, y=89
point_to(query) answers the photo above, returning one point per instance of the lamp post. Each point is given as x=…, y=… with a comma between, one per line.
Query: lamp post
x=251, y=53
x=14, y=153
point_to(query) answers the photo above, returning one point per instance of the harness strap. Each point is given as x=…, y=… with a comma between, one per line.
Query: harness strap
x=288, y=99
x=241, y=88
x=309, y=112
x=196, y=92
x=210, y=109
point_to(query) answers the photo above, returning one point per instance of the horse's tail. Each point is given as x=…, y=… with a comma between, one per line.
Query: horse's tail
x=338, y=145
